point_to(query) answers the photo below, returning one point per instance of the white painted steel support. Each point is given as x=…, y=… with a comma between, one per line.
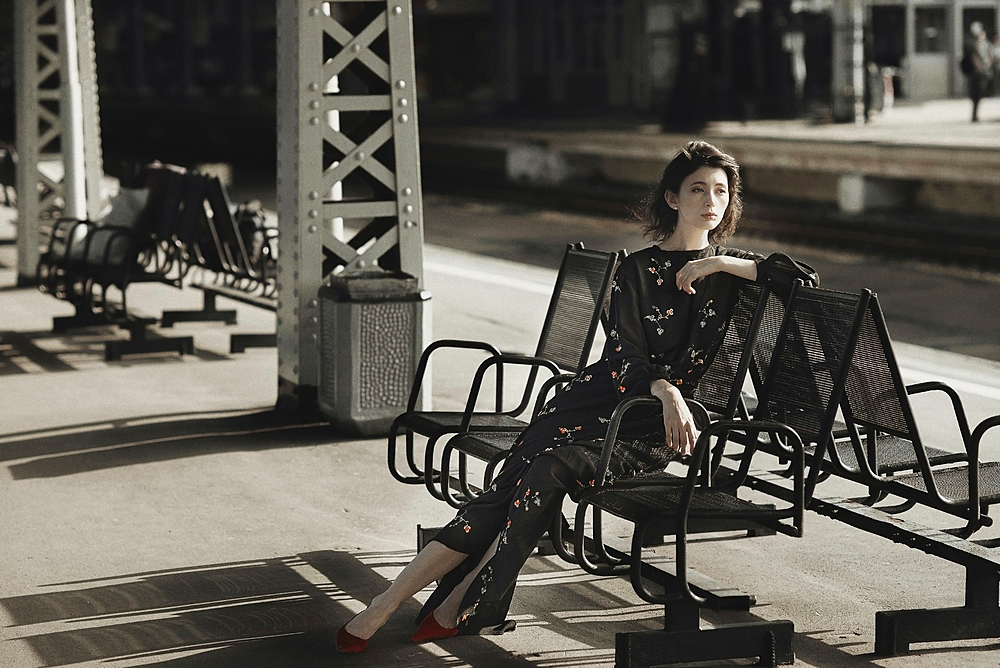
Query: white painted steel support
x=347, y=150
x=57, y=133
x=71, y=114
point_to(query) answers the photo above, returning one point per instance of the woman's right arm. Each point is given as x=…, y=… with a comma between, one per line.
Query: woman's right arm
x=633, y=371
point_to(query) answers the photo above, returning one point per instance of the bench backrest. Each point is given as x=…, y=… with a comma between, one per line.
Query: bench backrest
x=808, y=369
x=574, y=311
x=722, y=382
x=876, y=400
x=227, y=231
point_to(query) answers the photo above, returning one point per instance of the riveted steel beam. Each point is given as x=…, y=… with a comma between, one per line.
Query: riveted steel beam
x=58, y=128
x=349, y=195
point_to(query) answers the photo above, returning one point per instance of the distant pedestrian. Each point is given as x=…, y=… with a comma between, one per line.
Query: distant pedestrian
x=996, y=64
x=977, y=65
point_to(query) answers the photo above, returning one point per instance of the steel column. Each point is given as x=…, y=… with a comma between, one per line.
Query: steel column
x=347, y=151
x=54, y=47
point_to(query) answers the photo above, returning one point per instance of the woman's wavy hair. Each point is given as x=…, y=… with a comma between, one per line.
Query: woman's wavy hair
x=659, y=220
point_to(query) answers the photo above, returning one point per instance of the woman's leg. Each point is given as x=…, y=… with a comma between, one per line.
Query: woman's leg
x=431, y=563
x=446, y=614
x=536, y=504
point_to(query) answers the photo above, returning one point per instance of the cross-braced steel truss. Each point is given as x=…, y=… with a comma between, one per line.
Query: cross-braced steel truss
x=348, y=163
x=54, y=44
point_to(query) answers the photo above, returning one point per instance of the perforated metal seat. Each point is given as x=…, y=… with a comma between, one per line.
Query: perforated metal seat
x=876, y=402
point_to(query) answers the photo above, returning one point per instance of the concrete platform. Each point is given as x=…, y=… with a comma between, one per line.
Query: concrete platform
x=156, y=512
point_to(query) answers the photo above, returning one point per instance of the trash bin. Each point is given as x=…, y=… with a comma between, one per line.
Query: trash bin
x=372, y=330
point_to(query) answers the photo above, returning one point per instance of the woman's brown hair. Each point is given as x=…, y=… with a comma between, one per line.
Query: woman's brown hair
x=659, y=219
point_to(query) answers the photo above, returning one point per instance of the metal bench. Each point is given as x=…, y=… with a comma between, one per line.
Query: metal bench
x=806, y=371
x=85, y=262
x=229, y=265
x=564, y=345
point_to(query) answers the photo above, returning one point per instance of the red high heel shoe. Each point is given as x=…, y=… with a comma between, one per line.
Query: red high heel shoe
x=429, y=630
x=347, y=643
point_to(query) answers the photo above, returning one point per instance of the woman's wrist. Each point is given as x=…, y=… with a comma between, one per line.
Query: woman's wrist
x=661, y=389
x=739, y=266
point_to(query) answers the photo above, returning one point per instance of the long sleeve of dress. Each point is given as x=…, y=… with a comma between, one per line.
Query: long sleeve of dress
x=628, y=353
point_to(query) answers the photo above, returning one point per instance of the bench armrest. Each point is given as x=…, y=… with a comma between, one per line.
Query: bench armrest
x=500, y=361
x=425, y=356
x=956, y=402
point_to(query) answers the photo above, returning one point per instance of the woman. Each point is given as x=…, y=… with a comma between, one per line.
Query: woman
x=667, y=315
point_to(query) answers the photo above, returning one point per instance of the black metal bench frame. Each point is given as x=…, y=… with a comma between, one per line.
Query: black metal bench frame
x=226, y=270
x=106, y=256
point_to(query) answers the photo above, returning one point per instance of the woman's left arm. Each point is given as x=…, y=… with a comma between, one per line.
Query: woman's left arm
x=744, y=267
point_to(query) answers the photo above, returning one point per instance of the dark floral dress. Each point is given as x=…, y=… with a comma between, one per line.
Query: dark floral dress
x=656, y=331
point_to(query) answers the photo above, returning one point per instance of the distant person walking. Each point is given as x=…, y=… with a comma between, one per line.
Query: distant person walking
x=996, y=64
x=977, y=65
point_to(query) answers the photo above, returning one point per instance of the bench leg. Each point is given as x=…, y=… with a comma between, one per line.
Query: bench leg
x=685, y=642
x=979, y=618
x=208, y=313
x=82, y=318
x=238, y=343
x=137, y=343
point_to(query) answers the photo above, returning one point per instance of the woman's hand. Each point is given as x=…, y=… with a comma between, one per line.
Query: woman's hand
x=696, y=269
x=678, y=423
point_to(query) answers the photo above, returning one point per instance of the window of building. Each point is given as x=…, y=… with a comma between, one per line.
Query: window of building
x=931, y=32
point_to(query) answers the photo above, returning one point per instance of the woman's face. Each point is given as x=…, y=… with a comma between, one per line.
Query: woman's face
x=702, y=201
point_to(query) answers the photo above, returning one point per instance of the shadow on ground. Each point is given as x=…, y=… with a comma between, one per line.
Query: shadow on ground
x=155, y=438
x=263, y=613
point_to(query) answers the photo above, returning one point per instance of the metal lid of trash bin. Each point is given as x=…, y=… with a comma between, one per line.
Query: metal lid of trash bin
x=372, y=285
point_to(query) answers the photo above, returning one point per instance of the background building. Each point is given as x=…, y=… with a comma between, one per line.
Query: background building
x=191, y=80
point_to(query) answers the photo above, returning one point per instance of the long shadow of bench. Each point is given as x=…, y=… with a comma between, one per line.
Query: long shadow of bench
x=85, y=448
x=269, y=612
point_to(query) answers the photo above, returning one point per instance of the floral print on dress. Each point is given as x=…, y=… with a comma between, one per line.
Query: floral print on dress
x=460, y=521
x=658, y=316
x=659, y=270
x=707, y=312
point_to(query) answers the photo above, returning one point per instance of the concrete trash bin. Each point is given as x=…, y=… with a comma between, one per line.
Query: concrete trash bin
x=373, y=328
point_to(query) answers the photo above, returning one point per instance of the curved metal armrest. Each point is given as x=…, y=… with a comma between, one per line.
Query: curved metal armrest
x=543, y=390
x=425, y=356
x=78, y=235
x=500, y=361
x=612, y=435
x=701, y=451
x=977, y=437
x=753, y=428
x=698, y=411
x=956, y=402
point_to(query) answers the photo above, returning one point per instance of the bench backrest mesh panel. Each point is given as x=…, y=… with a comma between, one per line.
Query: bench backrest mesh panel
x=767, y=338
x=875, y=390
x=575, y=309
x=806, y=364
x=716, y=386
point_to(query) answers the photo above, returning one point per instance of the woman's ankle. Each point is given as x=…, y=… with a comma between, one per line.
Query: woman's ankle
x=367, y=622
x=446, y=615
